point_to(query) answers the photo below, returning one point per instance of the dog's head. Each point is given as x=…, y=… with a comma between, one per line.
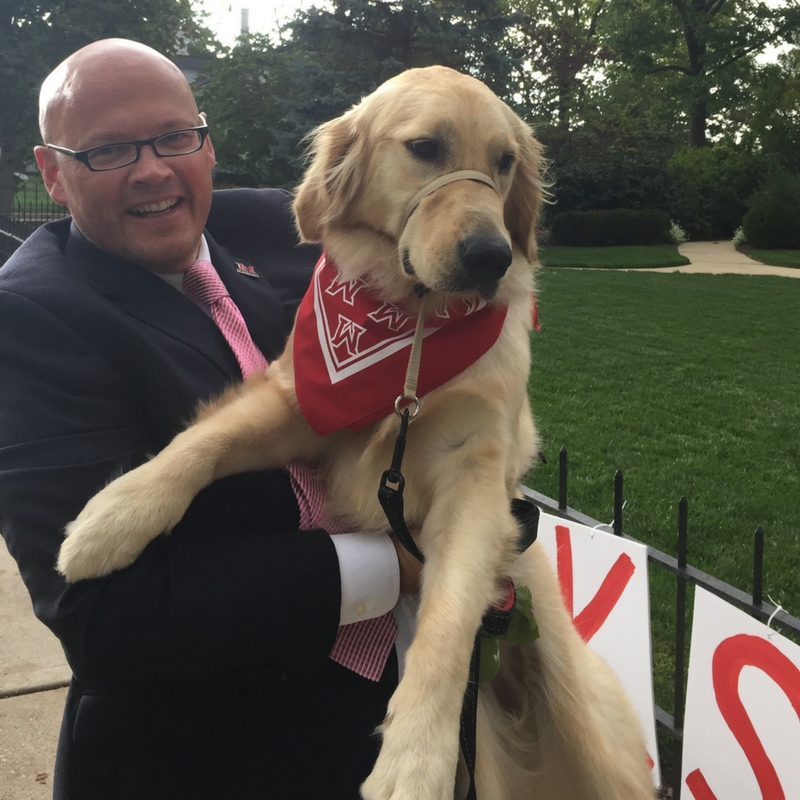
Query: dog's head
x=381, y=191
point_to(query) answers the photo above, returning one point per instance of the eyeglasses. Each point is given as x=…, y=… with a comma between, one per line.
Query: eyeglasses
x=122, y=154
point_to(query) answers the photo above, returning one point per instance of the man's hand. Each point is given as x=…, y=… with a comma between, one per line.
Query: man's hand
x=410, y=569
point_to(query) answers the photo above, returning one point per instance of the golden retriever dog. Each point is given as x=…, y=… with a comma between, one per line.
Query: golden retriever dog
x=429, y=188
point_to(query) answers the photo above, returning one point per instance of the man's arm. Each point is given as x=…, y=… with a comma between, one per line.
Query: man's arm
x=233, y=588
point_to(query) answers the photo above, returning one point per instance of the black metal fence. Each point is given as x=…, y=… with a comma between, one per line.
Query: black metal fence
x=32, y=207
x=671, y=722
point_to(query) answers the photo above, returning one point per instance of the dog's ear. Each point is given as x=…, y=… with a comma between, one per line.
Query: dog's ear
x=339, y=157
x=524, y=201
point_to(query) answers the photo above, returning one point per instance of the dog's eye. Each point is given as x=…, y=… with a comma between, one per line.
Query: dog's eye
x=425, y=149
x=506, y=162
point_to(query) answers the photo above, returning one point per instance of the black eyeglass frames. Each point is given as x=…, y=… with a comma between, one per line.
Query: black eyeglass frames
x=122, y=154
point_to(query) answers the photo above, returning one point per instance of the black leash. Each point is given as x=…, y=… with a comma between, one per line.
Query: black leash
x=495, y=621
x=390, y=493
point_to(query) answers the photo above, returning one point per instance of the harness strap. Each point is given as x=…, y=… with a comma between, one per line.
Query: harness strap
x=443, y=180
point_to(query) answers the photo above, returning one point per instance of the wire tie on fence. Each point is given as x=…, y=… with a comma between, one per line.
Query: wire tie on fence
x=778, y=607
x=610, y=524
x=602, y=525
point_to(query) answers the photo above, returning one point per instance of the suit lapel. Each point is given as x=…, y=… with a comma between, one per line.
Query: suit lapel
x=152, y=301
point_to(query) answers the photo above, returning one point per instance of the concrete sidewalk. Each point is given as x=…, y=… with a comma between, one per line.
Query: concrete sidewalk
x=722, y=258
x=31, y=665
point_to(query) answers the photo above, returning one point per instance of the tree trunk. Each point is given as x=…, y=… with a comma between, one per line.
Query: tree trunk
x=698, y=115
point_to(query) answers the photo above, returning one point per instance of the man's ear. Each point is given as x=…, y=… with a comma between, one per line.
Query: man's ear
x=209, y=144
x=51, y=174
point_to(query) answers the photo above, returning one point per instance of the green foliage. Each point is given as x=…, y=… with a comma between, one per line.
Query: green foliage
x=765, y=113
x=695, y=51
x=617, y=158
x=557, y=45
x=248, y=103
x=266, y=96
x=616, y=148
x=711, y=185
x=773, y=219
x=620, y=226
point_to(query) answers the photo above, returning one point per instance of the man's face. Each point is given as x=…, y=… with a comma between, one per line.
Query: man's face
x=151, y=212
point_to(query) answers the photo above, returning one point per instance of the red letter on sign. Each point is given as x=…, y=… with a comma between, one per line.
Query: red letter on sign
x=591, y=619
x=730, y=658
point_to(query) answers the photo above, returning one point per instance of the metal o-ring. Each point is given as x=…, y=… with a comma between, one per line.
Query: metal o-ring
x=414, y=400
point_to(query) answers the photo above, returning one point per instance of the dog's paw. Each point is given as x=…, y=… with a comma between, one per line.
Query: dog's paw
x=116, y=525
x=409, y=775
x=417, y=761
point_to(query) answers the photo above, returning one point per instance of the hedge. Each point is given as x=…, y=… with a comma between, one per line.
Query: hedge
x=619, y=226
x=773, y=221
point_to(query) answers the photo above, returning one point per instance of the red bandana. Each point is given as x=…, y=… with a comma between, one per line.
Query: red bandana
x=351, y=350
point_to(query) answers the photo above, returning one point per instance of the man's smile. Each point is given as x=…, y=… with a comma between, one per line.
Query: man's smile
x=154, y=209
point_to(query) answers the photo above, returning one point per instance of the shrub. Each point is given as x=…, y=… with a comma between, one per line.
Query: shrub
x=773, y=220
x=711, y=185
x=621, y=226
x=677, y=235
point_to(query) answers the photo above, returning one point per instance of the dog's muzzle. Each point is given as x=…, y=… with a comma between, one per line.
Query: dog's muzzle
x=443, y=180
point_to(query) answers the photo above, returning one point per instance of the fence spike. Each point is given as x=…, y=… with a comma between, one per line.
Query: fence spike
x=758, y=566
x=619, y=502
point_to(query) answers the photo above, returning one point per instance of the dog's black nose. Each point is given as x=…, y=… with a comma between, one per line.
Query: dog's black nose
x=485, y=258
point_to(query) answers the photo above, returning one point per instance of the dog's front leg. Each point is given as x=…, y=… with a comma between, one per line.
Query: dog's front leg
x=253, y=426
x=470, y=536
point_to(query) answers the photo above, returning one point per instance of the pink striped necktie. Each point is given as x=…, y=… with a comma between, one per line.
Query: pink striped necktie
x=202, y=283
x=362, y=647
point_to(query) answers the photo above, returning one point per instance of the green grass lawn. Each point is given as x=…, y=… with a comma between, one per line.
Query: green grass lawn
x=626, y=257
x=690, y=384
x=777, y=258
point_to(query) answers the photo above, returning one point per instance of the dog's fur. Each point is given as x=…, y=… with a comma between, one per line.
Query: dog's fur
x=555, y=722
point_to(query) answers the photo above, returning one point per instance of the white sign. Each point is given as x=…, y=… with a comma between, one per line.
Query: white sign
x=605, y=586
x=742, y=729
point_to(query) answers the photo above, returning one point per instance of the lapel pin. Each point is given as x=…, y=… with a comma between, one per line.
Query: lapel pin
x=246, y=269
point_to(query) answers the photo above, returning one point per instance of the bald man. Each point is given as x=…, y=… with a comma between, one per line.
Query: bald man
x=202, y=670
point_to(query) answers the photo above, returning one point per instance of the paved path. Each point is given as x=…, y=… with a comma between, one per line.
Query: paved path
x=31, y=661
x=31, y=664
x=723, y=258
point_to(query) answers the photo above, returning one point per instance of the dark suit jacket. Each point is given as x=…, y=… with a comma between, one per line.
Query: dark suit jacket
x=200, y=671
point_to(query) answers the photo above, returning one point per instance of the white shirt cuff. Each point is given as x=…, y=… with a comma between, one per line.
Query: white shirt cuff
x=370, y=575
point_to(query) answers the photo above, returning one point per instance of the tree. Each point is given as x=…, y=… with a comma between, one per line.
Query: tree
x=556, y=45
x=36, y=35
x=767, y=114
x=697, y=46
x=265, y=96
x=615, y=155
